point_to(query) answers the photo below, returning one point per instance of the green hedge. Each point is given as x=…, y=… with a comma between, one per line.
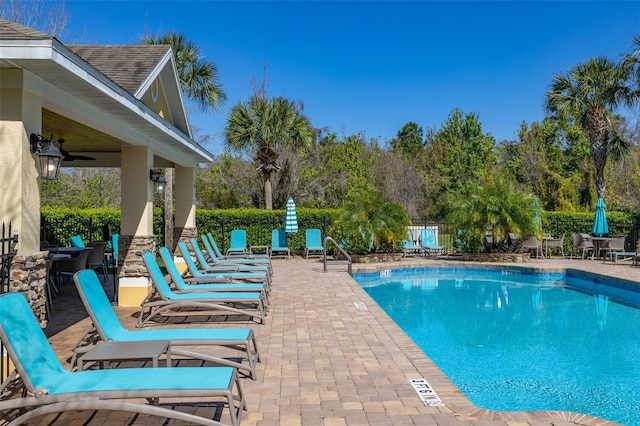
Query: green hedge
x=567, y=223
x=60, y=224
x=259, y=224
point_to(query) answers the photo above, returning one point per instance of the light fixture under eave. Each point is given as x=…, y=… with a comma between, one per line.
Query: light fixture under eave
x=49, y=156
x=157, y=177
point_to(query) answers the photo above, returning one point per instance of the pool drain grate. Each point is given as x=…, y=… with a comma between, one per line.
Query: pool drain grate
x=426, y=393
x=360, y=306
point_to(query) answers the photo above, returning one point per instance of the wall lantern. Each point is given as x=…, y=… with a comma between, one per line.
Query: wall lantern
x=49, y=156
x=157, y=177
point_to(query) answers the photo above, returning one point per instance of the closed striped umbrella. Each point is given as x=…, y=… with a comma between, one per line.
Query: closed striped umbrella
x=290, y=218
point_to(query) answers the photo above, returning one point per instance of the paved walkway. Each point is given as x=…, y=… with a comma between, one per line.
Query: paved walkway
x=326, y=362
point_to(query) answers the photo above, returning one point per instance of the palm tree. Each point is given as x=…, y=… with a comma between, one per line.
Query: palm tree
x=369, y=223
x=588, y=94
x=496, y=206
x=198, y=77
x=265, y=125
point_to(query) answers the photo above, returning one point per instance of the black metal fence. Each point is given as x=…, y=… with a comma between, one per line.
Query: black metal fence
x=58, y=230
x=8, y=242
x=445, y=238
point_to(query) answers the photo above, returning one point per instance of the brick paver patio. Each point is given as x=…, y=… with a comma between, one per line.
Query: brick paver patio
x=326, y=362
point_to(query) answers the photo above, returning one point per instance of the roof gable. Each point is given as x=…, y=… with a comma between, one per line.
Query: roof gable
x=128, y=66
x=134, y=68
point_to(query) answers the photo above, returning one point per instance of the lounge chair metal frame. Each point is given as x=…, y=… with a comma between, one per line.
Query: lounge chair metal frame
x=162, y=301
x=105, y=326
x=40, y=385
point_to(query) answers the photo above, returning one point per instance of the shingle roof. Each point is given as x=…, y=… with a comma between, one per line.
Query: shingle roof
x=10, y=30
x=128, y=65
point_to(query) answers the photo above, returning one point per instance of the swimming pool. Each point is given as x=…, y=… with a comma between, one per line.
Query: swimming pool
x=518, y=340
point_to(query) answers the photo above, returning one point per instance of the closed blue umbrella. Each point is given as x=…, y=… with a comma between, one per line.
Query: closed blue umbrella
x=600, y=226
x=290, y=218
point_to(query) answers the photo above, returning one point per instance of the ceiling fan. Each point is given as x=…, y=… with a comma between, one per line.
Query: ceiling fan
x=67, y=156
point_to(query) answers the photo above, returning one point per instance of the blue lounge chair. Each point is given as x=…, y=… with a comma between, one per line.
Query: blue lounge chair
x=256, y=263
x=42, y=386
x=107, y=326
x=247, y=256
x=164, y=301
x=313, y=242
x=279, y=243
x=231, y=267
x=410, y=247
x=211, y=282
x=429, y=242
x=238, y=244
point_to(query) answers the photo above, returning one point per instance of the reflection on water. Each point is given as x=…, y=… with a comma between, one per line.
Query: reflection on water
x=523, y=342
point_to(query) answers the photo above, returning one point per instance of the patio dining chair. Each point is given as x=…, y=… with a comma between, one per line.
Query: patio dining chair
x=96, y=258
x=613, y=248
x=555, y=244
x=581, y=243
x=533, y=243
x=67, y=268
x=40, y=385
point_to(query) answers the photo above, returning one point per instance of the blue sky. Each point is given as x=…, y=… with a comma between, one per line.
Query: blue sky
x=371, y=67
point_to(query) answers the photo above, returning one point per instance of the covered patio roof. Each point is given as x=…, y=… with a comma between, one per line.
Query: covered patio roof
x=101, y=98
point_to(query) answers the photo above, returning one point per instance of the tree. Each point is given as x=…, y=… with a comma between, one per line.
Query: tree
x=199, y=82
x=469, y=153
x=588, y=94
x=497, y=206
x=458, y=153
x=198, y=77
x=264, y=125
x=47, y=16
x=410, y=140
x=371, y=224
x=537, y=161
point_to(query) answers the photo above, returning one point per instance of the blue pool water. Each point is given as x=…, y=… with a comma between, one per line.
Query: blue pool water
x=521, y=341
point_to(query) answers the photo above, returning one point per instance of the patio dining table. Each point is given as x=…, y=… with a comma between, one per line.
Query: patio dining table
x=597, y=244
x=71, y=250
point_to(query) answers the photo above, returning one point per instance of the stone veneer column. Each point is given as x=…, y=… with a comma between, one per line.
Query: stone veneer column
x=131, y=268
x=182, y=234
x=29, y=277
